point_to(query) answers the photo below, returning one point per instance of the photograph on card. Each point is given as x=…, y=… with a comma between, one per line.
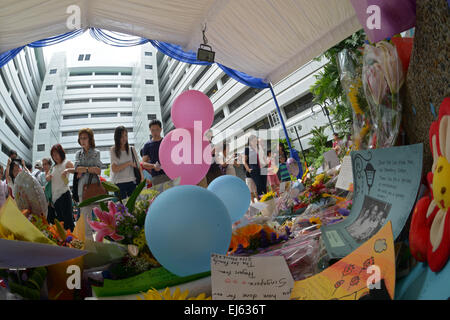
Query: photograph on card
x=371, y=218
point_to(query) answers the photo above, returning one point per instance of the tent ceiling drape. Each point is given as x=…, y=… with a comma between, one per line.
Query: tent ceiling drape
x=267, y=39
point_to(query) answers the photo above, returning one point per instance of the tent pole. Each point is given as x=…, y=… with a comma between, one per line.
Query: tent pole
x=281, y=118
x=293, y=152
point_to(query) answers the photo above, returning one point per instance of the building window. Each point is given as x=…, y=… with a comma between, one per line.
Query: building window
x=49, y=87
x=75, y=74
x=81, y=57
x=148, y=81
x=43, y=125
x=212, y=91
x=125, y=114
x=260, y=125
x=125, y=73
x=106, y=73
x=11, y=127
x=1, y=113
x=52, y=71
x=148, y=67
x=41, y=147
x=25, y=143
x=274, y=118
x=243, y=98
x=71, y=151
x=45, y=105
x=69, y=133
x=87, y=57
x=299, y=105
x=225, y=78
x=28, y=123
x=4, y=80
x=201, y=75
x=75, y=116
x=76, y=101
x=125, y=85
x=31, y=103
x=16, y=104
x=104, y=115
x=79, y=86
x=148, y=54
x=104, y=99
x=105, y=85
x=151, y=116
x=5, y=149
x=218, y=117
x=150, y=98
x=125, y=99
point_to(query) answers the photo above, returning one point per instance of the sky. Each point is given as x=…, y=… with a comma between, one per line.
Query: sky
x=86, y=42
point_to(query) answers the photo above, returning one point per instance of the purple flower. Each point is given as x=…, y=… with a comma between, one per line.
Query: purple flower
x=344, y=212
x=69, y=239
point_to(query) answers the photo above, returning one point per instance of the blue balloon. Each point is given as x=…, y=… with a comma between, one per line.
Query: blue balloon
x=234, y=193
x=184, y=225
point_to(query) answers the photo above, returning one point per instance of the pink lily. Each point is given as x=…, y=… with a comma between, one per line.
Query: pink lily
x=107, y=224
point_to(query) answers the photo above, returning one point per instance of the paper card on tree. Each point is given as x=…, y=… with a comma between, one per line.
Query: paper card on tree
x=345, y=178
x=250, y=278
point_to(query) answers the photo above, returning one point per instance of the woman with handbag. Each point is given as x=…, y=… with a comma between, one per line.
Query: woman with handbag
x=88, y=168
x=61, y=197
x=126, y=171
x=47, y=166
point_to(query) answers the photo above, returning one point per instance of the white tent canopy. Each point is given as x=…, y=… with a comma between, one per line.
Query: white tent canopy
x=267, y=39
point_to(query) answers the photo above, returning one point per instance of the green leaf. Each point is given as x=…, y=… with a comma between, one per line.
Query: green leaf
x=132, y=200
x=96, y=200
x=110, y=187
x=104, y=206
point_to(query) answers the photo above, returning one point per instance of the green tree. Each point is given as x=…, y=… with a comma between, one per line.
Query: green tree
x=319, y=146
x=327, y=87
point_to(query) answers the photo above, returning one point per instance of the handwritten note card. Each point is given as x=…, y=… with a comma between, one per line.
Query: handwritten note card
x=250, y=278
x=256, y=208
x=345, y=178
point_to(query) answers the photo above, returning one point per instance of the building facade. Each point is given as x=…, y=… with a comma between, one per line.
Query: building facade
x=20, y=87
x=239, y=108
x=88, y=90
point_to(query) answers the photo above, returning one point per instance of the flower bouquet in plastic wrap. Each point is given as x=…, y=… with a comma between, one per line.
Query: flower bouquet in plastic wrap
x=350, y=70
x=382, y=78
x=27, y=241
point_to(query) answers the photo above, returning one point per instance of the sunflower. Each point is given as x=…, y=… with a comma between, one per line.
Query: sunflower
x=353, y=97
x=5, y=234
x=154, y=294
x=316, y=221
x=268, y=196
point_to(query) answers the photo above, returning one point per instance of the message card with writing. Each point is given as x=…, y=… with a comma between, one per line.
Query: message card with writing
x=351, y=277
x=250, y=278
x=386, y=182
x=345, y=178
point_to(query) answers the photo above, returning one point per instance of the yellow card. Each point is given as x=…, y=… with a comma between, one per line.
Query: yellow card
x=349, y=278
x=13, y=221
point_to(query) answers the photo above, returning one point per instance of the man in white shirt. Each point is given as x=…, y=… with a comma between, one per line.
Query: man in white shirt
x=38, y=173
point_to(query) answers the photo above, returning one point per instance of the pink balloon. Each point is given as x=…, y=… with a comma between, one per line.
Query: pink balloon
x=185, y=153
x=192, y=106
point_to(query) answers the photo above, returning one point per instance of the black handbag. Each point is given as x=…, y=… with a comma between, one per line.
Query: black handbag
x=137, y=172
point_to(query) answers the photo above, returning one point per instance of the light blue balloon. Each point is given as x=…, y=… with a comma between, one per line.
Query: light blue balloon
x=234, y=193
x=184, y=225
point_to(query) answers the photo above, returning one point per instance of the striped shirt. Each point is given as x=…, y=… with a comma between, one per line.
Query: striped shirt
x=284, y=173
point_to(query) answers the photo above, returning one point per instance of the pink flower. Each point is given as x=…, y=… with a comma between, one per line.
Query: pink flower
x=107, y=224
x=374, y=82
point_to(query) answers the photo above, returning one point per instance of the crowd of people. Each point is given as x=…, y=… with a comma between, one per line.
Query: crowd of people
x=256, y=166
